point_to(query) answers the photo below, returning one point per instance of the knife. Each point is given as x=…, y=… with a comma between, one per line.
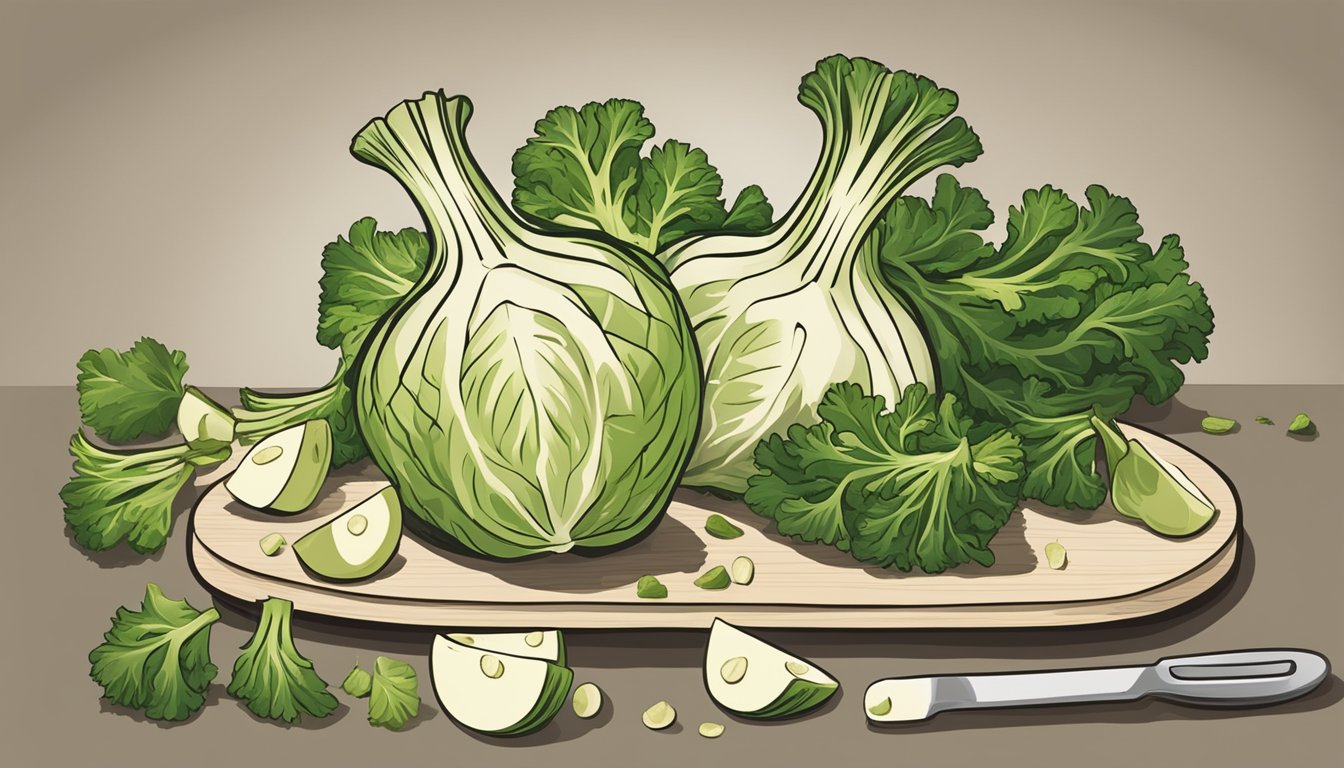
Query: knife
x=1235, y=679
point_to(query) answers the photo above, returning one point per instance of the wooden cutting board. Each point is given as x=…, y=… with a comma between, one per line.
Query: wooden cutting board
x=1117, y=569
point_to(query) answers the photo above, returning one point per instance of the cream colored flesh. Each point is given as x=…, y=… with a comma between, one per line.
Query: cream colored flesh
x=259, y=485
x=479, y=701
x=769, y=671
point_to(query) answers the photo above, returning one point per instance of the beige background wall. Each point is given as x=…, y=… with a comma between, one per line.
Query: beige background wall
x=174, y=168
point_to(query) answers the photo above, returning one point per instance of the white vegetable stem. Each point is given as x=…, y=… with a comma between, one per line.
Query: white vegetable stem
x=782, y=315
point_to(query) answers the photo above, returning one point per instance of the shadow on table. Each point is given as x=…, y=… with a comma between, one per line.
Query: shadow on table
x=1171, y=417
x=1327, y=694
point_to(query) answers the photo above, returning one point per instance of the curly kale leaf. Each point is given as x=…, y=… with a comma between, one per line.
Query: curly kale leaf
x=272, y=678
x=129, y=495
x=157, y=659
x=907, y=488
x=393, y=697
x=1072, y=315
x=583, y=170
x=131, y=394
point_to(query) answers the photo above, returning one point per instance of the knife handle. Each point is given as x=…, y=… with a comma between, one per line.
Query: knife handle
x=1238, y=678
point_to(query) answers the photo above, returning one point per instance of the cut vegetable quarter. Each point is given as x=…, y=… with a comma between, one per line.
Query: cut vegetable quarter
x=284, y=472
x=750, y=677
x=493, y=692
x=357, y=543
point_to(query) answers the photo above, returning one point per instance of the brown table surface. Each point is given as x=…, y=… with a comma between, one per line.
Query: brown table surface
x=1285, y=592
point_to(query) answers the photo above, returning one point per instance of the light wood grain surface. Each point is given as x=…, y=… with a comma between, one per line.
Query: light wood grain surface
x=1116, y=569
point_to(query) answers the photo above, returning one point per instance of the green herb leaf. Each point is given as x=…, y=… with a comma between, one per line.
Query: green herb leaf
x=272, y=678
x=1264, y=420
x=362, y=278
x=1302, y=425
x=131, y=394
x=904, y=488
x=393, y=698
x=357, y=683
x=129, y=495
x=583, y=170
x=1072, y=315
x=157, y=659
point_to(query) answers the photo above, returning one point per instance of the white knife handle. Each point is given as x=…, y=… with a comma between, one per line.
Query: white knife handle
x=1238, y=678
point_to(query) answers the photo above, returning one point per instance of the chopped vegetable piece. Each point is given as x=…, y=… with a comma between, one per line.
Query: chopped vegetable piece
x=272, y=678
x=650, y=588
x=1148, y=487
x=743, y=570
x=587, y=700
x=659, y=716
x=715, y=578
x=394, y=696
x=131, y=394
x=880, y=708
x=157, y=659
x=1056, y=556
x=1263, y=420
x=1302, y=425
x=720, y=527
x=796, y=668
x=271, y=544
x=357, y=683
x=1217, y=425
x=711, y=730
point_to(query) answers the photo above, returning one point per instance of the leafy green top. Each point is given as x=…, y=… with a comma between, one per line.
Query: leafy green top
x=131, y=394
x=583, y=170
x=362, y=278
x=394, y=698
x=907, y=488
x=272, y=678
x=117, y=495
x=1072, y=315
x=157, y=659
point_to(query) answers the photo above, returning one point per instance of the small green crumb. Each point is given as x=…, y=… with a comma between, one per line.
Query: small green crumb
x=1263, y=420
x=881, y=708
x=715, y=578
x=271, y=544
x=1302, y=425
x=649, y=587
x=358, y=683
x=719, y=527
x=587, y=700
x=1217, y=425
x=1056, y=556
